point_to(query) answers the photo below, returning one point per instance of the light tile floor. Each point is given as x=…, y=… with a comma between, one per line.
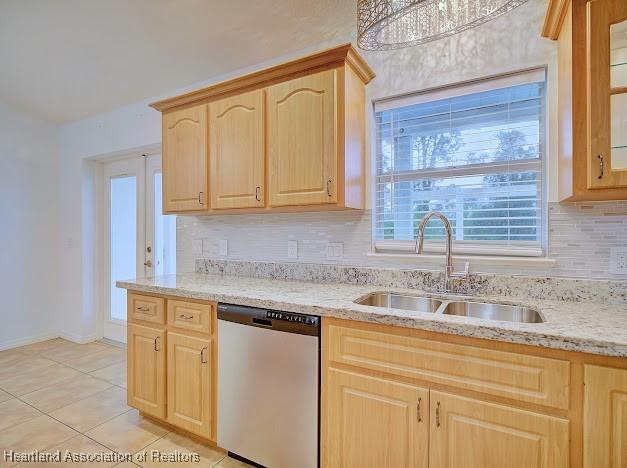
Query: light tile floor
x=62, y=396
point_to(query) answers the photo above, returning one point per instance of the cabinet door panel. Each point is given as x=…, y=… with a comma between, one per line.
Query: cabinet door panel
x=185, y=160
x=237, y=151
x=607, y=105
x=468, y=433
x=605, y=417
x=190, y=391
x=302, y=141
x=374, y=422
x=146, y=369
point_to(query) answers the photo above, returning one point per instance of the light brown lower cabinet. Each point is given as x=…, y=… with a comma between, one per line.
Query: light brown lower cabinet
x=398, y=397
x=471, y=433
x=190, y=384
x=146, y=369
x=171, y=366
x=376, y=422
x=605, y=417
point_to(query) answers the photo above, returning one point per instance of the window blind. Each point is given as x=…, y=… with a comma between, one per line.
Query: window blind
x=477, y=157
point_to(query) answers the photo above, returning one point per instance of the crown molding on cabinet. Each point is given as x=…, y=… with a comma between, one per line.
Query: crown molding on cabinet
x=328, y=59
x=554, y=19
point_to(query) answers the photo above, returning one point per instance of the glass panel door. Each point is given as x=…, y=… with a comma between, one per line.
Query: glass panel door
x=139, y=240
x=124, y=237
x=160, y=228
x=618, y=72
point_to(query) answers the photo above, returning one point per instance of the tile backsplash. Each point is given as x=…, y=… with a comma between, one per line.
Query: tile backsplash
x=580, y=237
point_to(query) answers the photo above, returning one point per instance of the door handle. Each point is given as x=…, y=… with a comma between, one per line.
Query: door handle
x=600, y=157
x=203, y=360
x=186, y=317
x=148, y=263
x=329, y=182
x=257, y=191
x=418, y=410
x=200, y=198
x=158, y=343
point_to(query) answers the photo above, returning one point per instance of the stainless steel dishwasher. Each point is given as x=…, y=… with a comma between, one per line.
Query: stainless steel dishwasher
x=268, y=385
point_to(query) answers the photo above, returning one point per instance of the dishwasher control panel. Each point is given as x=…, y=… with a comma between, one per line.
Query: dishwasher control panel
x=292, y=317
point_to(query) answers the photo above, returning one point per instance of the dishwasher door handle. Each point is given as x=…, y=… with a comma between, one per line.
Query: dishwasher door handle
x=262, y=322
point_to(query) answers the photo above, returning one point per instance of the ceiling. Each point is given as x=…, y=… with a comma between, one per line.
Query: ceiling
x=67, y=59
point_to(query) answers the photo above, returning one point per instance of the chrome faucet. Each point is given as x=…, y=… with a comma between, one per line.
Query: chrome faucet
x=449, y=273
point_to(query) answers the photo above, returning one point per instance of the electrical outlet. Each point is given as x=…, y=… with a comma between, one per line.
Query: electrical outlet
x=197, y=246
x=618, y=261
x=335, y=250
x=224, y=247
x=207, y=248
x=292, y=249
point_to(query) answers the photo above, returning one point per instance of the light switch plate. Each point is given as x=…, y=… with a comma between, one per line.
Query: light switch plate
x=197, y=246
x=224, y=248
x=292, y=249
x=335, y=250
x=618, y=261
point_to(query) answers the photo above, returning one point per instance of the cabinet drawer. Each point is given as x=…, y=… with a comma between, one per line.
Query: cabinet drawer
x=146, y=308
x=190, y=315
x=533, y=379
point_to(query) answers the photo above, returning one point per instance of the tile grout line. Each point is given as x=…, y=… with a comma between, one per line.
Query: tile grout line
x=225, y=456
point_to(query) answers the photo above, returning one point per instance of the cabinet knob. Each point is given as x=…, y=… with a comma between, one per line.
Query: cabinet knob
x=186, y=317
x=600, y=158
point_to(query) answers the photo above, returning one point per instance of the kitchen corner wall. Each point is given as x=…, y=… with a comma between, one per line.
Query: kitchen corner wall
x=580, y=238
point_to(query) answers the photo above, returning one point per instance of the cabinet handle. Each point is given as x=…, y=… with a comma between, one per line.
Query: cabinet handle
x=158, y=343
x=418, y=408
x=257, y=190
x=186, y=317
x=437, y=415
x=202, y=356
x=600, y=157
x=329, y=182
x=200, y=198
x=143, y=308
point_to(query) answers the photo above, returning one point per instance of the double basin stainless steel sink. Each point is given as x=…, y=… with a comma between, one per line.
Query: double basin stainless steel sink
x=482, y=310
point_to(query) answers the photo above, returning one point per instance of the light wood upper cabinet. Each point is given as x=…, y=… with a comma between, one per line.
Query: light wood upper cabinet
x=190, y=388
x=302, y=151
x=592, y=97
x=237, y=151
x=185, y=160
x=607, y=93
x=146, y=369
x=605, y=417
x=476, y=434
x=375, y=422
x=288, y=138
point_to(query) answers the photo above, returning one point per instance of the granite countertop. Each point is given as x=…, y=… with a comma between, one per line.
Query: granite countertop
x=573, y=326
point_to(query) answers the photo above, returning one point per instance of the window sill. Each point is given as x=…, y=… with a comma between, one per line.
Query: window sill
x=495, y=260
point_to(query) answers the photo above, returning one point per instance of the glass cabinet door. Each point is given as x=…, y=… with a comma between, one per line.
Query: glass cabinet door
x=607, y=93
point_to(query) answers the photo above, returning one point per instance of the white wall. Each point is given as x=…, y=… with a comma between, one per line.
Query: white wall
x=29, y=210
x=511, y=42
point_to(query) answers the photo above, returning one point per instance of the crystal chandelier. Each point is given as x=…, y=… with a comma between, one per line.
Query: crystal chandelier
x=392, y=24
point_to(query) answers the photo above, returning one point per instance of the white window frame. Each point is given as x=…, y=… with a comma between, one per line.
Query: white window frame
x=467, y=248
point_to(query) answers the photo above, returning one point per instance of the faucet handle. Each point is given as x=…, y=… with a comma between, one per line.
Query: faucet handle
x=462, y=274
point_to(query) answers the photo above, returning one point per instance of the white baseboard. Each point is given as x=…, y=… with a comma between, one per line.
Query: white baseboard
x=80, y=339
x=9, y=344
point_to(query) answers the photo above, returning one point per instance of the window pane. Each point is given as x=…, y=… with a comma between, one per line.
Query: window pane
x=165, y=235
x=123, y=236
x=476, y=158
